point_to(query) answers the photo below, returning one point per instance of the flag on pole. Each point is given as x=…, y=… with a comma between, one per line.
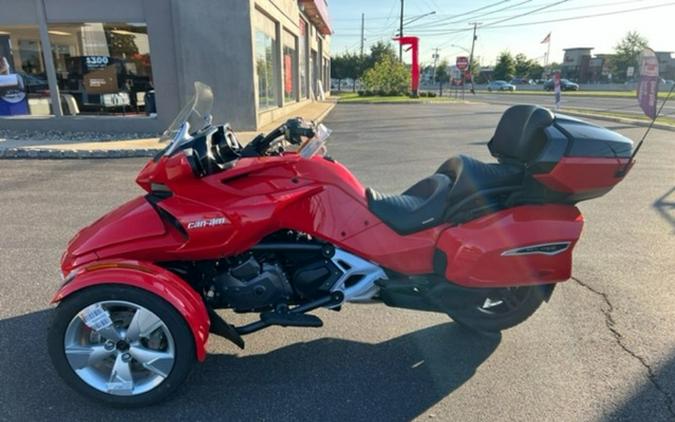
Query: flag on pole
x=547, y=39
x=648, y=88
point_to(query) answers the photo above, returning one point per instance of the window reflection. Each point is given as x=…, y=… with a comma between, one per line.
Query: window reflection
x=265, y=60
x=23, y=82
x=103, y=68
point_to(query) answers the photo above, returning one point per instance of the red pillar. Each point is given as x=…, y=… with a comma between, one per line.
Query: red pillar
x=413, y=42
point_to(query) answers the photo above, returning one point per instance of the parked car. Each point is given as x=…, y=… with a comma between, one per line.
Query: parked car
x=521, y=81
x=565, y=85
x=500, y=86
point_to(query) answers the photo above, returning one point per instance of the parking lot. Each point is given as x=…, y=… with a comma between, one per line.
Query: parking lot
x=602, y=349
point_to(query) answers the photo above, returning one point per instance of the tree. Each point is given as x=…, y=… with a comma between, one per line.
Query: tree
x=378, y=51
x=387, y=77
x=535, y=71
x=347, y=66
x=627, y=53
x=475, y=68
x=505, y=66
x=338, y=68
x=442, y=75
x=522, y=65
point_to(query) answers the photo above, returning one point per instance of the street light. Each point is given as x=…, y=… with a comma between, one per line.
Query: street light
x=460, y=47
x=400, y=30
x=416, y=18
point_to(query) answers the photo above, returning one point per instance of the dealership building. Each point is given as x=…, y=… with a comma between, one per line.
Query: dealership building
x=129, y=65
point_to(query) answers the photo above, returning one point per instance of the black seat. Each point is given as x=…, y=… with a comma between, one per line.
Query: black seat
x=518, y=139
x=470, y=176
x=420, y=207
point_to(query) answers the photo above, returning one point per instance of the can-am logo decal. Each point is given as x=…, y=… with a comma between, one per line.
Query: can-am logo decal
x=211, y=222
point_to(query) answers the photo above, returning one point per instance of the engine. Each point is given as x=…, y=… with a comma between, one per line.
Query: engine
x=251, y=285
x=271, y=275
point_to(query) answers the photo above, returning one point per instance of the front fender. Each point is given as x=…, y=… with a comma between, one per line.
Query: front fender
x=153, y=279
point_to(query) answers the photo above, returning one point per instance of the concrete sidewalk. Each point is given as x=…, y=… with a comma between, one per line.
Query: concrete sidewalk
x=58, y=149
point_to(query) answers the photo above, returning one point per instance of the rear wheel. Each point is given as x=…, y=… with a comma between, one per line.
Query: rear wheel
x=120, y=345
x=503, y=308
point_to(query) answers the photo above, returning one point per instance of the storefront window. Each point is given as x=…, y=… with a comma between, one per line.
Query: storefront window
x=24, y=89
x=290, y=67
x=302, y=51
x=266, y=62
x=103, y=68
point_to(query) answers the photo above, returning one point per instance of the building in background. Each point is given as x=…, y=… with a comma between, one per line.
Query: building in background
x=576, y=64
x=129, y=65
x=666, y=64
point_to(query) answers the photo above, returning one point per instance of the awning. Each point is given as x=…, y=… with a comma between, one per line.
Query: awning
x=317, y=12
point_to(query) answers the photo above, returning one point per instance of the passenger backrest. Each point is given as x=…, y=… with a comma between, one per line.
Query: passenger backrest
x=520, y=136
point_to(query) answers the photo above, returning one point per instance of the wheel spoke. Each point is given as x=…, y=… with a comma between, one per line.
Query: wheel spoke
x=81, y=356
x=121, y=381
x=154, y=361
x=142, y=324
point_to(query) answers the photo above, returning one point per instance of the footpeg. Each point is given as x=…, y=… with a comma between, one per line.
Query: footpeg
x=291, y=319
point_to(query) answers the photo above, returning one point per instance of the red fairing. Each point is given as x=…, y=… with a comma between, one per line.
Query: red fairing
x=255, y=198
x=584, y=174
x=155, y=280
x=484, y=252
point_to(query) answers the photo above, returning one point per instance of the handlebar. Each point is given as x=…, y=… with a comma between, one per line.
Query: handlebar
x=293, y=131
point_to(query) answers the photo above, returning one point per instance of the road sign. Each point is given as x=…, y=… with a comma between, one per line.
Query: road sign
x=462, y=62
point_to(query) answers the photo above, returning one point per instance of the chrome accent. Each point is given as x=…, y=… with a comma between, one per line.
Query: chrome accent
x=554, y=248
x=362, y=290
x=131, y=355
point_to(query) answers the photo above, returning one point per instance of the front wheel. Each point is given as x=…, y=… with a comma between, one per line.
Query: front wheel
x=120, y=345
x=503, y=308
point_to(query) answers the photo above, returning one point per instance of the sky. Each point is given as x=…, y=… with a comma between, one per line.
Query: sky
x=449, y=28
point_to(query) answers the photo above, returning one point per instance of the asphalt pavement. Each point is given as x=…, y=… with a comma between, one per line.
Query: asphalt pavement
x=602, y=349
x=605, y=104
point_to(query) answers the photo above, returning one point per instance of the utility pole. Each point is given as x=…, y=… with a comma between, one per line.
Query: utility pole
x=400, y=34
x=363, y=19
x=473, y=43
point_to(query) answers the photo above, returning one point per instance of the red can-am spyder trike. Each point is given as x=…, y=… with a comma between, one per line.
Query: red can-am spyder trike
x=277, y=229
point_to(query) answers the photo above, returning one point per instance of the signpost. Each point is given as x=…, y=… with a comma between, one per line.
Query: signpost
x=462, y=63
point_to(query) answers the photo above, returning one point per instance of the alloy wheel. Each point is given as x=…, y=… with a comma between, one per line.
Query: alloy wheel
x=119, y=348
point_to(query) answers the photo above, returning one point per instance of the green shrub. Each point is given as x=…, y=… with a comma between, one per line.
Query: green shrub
x=432, y=94
x=388, y=77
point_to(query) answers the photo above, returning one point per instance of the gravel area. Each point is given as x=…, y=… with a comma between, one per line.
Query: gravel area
x=60, y=136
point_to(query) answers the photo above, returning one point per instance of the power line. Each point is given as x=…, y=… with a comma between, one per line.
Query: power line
x=433, y=25
x=617, y=12
x=492, y=23
x=527, y=13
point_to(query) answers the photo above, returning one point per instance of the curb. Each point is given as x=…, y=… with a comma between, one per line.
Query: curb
x=640, y=123
x=591, y=115
x=51, y=154
x=29, y=153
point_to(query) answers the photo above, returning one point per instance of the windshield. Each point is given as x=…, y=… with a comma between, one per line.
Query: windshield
x=315, y=145
x=196, y=113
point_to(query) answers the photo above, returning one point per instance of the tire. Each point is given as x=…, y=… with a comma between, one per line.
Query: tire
x=478, y=318
x=174, y=335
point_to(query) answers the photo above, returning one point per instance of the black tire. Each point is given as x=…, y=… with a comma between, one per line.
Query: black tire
x=184, y=359
x=476, y=318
